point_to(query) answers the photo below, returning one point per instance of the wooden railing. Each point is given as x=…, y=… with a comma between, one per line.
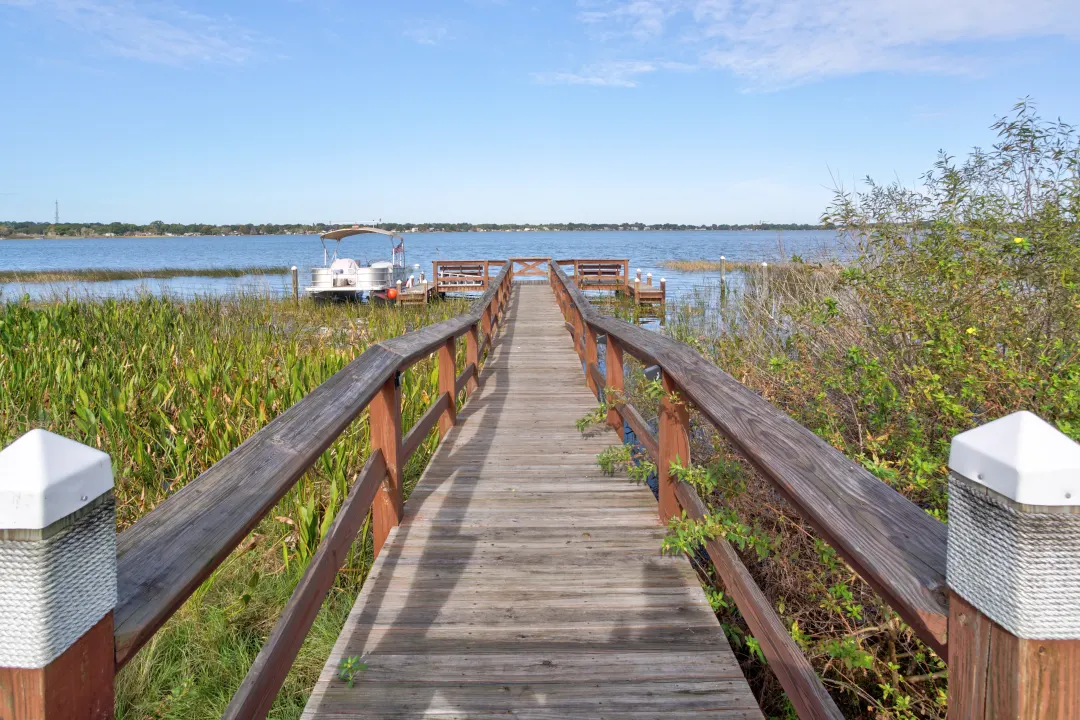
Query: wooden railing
x=169, y=552
x=530, y=267
x=599, y=273
x=887, y=539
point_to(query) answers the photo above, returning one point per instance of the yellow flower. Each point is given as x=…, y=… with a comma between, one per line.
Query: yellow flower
x=1018, y=241
x=971, y=331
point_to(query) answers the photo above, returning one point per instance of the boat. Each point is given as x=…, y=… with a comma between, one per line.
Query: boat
x=343, y=278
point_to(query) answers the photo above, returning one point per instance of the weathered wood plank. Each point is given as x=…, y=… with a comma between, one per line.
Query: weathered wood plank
x=887, y=539
x=798, y=678
x=423, y=427
x=517, y=552
x=171, y=550
x=264, y=678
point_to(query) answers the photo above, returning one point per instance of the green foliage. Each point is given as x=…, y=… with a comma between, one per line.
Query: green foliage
x=594, y=417
x=349, y=668
x=959, y=303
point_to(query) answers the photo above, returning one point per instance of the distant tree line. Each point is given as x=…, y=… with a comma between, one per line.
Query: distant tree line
x=119, y=229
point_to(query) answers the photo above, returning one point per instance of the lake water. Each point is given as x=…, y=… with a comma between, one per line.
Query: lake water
x=646, y=250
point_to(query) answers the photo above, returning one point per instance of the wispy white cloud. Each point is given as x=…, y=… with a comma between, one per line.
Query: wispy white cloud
x=427, y=32
x=608, y=74
x=619, y=73
x=784, y=42
x=149, y=31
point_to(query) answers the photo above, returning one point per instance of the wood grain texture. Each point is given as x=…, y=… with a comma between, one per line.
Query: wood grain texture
x=642, y=432
x=593, y=378
x=472, y=357
x=256, y=694
x=465, y=380
x=674, y=440
x=787, y=661
x=887, y=539
x=447, y=362
x=996, y=675
x=597, y=383
x=523, y=580
x=423, y=427
x=613, y=381
x=78, y=685
x=385, y=414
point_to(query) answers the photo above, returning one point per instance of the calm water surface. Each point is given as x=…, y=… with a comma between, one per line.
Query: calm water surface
x=646, y=250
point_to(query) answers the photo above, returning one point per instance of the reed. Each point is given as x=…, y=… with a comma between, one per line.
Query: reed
x=745, y=266
x=106, y=275
x=167, y=388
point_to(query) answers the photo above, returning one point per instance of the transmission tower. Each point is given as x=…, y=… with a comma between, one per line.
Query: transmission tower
x=56, y=213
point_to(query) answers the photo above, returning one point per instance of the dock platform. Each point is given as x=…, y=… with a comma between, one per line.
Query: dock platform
x=523, y=581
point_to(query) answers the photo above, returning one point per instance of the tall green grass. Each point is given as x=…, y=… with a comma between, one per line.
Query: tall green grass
x=169, y=387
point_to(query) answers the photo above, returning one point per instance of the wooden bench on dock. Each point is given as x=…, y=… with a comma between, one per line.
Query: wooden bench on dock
x=518, y=579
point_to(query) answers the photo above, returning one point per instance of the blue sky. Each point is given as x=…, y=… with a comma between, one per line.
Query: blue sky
x=693, y=111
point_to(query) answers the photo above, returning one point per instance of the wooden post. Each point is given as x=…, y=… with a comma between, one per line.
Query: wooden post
x=1014, y=572
x=649, y=279
x=472, y=356
x=592, y=357
x=295, y=285
x=663, y=300
x=58, y=585
x=577, y=334
x=637, y=288
x=723, y=268
x=435, y=274
x=447, y=382
x=674, y=447
x=385, y=413
x=614, y=372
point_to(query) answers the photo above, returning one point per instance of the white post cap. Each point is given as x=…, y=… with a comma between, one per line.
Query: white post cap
x=1022, y=457
x=45, y=477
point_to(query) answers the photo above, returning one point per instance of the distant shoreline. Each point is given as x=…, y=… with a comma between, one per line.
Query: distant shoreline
x=24, y=236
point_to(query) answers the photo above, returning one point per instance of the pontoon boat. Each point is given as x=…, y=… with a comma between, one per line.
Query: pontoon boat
x=348, y=279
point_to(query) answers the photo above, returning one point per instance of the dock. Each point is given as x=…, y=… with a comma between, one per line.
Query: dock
x=517, y=579
x=522, y=580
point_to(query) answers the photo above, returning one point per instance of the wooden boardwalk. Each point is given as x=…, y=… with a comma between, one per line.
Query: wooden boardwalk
x=522, y=580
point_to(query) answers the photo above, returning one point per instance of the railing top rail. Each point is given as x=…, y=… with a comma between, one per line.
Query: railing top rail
x=895, y=546
x=164, y=557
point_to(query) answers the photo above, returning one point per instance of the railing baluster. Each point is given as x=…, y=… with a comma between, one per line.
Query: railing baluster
x=614, y=367
x=447, y=383
x=591, y=358
x=674, y=446
x=385, y=414
x=472, y=356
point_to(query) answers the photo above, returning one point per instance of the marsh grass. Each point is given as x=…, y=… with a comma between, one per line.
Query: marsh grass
x=167, y=387
x=728, y=265
x=107, y=275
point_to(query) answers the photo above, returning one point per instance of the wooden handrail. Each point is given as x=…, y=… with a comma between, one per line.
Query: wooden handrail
x=801, y=683
x=170, y=551
x=260, y=686
x=886, y=538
